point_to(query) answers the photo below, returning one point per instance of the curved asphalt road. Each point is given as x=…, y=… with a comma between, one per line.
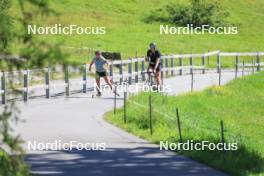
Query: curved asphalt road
x=80, y=118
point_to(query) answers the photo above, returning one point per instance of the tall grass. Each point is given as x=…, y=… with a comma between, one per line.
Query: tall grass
x=239, y=104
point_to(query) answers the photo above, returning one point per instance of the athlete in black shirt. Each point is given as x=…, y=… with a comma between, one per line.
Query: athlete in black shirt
x=153, y=56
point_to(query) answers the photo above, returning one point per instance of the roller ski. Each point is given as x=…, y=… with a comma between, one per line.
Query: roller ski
x=98, y=95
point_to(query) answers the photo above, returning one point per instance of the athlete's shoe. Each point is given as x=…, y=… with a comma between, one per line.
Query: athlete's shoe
x=115, y=92
x=99, y=94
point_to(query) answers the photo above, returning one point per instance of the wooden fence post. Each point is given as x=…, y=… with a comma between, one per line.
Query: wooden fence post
x=192, y=81
x=219, y=68
x=67, y=83
x=203, y=64
x=47, y=82
x=130, y=72
x=218, y=63
x=191, y=64
x=258, y=62
x=181, y=65
x=136, y=70
x=84, y=78
x=143, y=70
x=222, y=132
x=166, y=66
x=150, y=115
x=162, y=72
x=136, y=67
x=219, y=76
x=121, y=72
x=208, y=59
x=236, y=71
x=179, y=124
x=111, y=71
x=253, y=66
x=25, y=91
x=172, y=66
x=125, y=112
x=3, y=88
x=243, y=68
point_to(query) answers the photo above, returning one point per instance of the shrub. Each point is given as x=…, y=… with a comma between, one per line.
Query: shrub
x=197, y=12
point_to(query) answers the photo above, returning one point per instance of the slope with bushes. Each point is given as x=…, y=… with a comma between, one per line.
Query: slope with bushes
x=127, y=31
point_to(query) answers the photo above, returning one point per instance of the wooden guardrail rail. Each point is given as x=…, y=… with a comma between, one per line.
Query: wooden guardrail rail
x=130, y=70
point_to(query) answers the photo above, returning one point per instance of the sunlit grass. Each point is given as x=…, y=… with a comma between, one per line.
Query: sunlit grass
x=127, y=32
x=239, y=104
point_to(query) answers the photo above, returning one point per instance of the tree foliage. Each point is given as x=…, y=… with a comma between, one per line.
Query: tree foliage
x=197, y=12
x=6, y=24
x=36, y=54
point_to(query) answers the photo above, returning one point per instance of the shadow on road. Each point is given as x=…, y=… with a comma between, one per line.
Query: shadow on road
x=141, y=161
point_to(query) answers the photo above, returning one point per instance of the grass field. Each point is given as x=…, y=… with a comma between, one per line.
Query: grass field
x=127, y=32
x=239, y=104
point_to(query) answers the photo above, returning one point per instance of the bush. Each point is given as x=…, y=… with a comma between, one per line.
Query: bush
x=12, y=165
x=198, y=13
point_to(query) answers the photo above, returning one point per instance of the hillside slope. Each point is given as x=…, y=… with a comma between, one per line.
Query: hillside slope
x=127, y=32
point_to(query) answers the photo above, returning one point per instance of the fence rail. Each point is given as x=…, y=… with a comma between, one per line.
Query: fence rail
x=190, y=55
x=242, y=54
x=46, y=80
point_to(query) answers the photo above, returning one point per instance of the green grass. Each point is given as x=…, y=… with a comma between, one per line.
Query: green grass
x=127, y=32
x=240, y=104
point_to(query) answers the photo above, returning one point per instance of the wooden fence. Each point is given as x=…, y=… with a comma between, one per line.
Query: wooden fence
x=129, y=70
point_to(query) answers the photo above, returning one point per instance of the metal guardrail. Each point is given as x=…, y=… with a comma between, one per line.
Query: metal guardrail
x=242, y=54
x=135, y=68
x=191, y=55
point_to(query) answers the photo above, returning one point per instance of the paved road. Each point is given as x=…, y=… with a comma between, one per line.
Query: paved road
x=80, y=118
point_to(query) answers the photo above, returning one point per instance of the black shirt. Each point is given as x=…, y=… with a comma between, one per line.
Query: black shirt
x=154, y=56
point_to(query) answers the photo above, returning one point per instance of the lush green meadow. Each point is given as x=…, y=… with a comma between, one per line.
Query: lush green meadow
x=128, y=33
x=239, y=104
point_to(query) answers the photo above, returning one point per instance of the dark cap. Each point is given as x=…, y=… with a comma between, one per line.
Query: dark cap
x=98, y=52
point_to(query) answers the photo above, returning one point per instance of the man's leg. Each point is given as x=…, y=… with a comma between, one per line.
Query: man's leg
x=97, y=79
x=158, y=78
x=107, y=80
x=149, y=70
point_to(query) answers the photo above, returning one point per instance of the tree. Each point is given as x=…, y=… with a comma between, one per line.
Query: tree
x=36, y=53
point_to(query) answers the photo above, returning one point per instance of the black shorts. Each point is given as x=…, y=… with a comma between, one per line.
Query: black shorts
x=101, y=74
x=152, y=66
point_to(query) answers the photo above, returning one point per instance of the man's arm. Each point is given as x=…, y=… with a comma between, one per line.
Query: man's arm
x=147, y=57
x=91, y=64
x=158, y=61
x=106, y=64
x=157, y=64
x=105, y=61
